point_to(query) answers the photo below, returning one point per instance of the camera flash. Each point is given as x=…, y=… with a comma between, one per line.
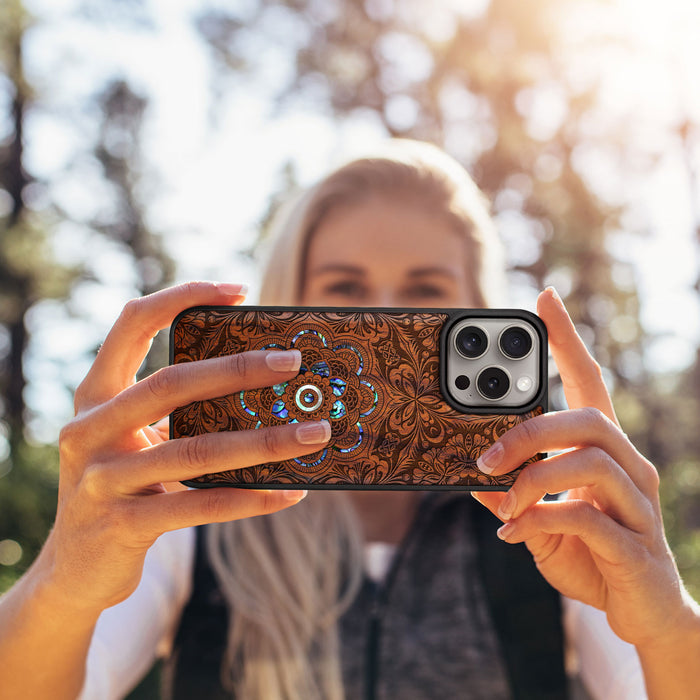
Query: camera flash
x=524, y=383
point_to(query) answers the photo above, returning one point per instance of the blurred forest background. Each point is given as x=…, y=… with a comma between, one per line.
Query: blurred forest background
x=581, y=125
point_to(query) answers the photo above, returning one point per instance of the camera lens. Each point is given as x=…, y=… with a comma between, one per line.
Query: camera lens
x=462, y=382
x=493, y=383
x=515, y=342
x=471, y=342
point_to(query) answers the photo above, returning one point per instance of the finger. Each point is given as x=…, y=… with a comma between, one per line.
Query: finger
x=561, y=431
x=189, y=458
x=580, y=374
x=543, y=545
x=130, y=338
x=606, y=538
x=490, y=499
x=571, y=581
x=178, y=385
x=171, y=511
x=589, y=468
x=159, y=431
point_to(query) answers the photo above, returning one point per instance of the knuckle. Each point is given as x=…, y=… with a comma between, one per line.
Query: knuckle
x=530, y=430
x=93, y=481
x=590, y=374
x=132, y=309
x=649, y=518
x=267, y=502
x=269, y=443
x=600, y=460
x=594, y=371
x=134, y=316
x=239, y=365
x=67, y=435
x=71, y=439
x=584, y=515
x=193, y=287
x=527, y=479
x=194, y=452
x=217, y=506
x=80, y=396
x=165, y=382
x=638, y=547
x=594, y=416
x=650, y=477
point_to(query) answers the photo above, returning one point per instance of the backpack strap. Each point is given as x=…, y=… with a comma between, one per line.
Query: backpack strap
x=526, y=612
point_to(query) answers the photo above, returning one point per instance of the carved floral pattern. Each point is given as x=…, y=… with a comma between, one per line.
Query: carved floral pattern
x=373, y=376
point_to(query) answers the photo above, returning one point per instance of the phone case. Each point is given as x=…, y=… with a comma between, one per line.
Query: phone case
x=374, y=374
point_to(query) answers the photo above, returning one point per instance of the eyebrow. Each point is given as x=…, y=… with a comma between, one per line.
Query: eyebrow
x=429, y=271
x=339, y=267
x=343, y=268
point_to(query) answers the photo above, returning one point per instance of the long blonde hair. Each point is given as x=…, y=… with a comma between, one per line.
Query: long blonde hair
x=288, y=577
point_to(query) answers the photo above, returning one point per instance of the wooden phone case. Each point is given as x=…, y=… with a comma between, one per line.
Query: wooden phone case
x=374, y=374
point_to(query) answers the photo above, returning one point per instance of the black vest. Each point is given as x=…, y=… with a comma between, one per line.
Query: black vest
x=524, y=611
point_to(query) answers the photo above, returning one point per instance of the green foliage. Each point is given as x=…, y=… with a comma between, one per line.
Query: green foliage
x=28, y=492
x=680, y=491
x=661, y=419
x=30, y=274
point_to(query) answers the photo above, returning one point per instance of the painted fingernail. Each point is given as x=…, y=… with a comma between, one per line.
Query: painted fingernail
x=490, y=459
x=295, y=495
x=507, y=508
x=283, y=360
x=505, y=530
x=314, y=433
x=232, y=290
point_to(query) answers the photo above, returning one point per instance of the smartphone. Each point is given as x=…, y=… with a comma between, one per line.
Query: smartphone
x=413, y=396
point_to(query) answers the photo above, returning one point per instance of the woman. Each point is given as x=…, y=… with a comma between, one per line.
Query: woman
x=405, y=229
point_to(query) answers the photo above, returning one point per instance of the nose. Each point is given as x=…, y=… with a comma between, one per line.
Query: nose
x=382, y=297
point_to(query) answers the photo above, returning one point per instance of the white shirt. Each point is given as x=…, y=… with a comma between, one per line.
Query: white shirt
x=131, y=635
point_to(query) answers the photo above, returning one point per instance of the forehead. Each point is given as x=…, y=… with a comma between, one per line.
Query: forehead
x=387, y=232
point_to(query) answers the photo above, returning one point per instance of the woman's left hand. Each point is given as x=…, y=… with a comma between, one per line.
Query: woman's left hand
x=603, y=542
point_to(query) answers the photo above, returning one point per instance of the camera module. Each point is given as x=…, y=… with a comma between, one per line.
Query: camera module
x=493, y=383
x=493, y=361
x=515, y=342
x=471, y=342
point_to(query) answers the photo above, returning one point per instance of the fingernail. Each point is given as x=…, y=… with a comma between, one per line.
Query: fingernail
x=313, y=433
x=232, y=290
x=283, y=360
x=555, y=295
x=507, y=508
x=295, y=495
x=490, y=459
x=505, y=530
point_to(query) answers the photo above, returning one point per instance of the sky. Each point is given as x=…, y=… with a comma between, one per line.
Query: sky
x=646, y=85
x=215, y=168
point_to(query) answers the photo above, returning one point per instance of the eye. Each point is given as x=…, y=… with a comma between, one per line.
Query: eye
x=427, y=291
x=346, y=289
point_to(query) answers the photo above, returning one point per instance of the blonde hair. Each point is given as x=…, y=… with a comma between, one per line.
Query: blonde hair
x=432, y=178
x=288, y=577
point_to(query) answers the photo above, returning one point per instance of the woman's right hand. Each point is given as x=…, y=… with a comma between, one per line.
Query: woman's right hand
x=112, y=503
